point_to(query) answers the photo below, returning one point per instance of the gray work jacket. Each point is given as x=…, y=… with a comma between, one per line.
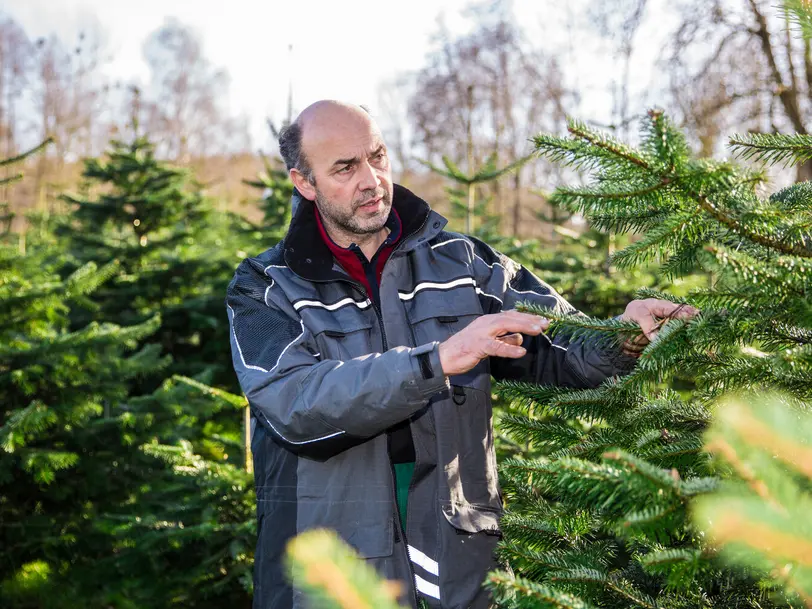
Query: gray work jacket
x=327, y=372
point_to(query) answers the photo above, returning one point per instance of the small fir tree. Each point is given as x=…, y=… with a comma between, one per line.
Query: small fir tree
x=277, y=190
x=176, y=251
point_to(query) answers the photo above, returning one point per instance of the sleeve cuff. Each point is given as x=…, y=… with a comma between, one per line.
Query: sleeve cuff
x=623, y=363
x=427, y=370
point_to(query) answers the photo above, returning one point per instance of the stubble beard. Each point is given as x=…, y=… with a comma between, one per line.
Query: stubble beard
x=350, y=223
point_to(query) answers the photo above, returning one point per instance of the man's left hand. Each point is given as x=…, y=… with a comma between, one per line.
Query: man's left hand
x=650, y=314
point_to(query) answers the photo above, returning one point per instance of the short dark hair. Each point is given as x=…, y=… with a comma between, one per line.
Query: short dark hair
x=290, y=147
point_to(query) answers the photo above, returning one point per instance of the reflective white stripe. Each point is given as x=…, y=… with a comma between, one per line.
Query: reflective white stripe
x=268, y=289
x=332, y=435
x=424, y=561
x=427, y=588
x=442, y=243
x=274, y=266
x=478, y=291
x=361, y=304
x=437, y=286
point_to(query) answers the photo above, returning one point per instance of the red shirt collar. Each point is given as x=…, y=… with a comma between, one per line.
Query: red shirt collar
x=352, y=259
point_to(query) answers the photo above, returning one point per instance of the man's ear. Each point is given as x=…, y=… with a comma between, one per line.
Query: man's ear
x=303, y=185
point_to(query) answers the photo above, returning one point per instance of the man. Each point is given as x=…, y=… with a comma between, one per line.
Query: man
x=365, y=343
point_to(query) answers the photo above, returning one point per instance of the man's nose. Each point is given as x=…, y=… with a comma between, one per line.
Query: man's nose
x=368, y=177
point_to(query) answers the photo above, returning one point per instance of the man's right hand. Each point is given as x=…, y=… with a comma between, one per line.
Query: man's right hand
x=497, y=335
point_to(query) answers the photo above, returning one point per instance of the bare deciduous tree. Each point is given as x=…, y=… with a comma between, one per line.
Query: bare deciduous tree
x=184, y=104
x=487, y=93
x=732, y=66
x=15, y=66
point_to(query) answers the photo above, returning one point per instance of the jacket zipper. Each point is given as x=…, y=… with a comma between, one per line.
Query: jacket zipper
x=398, y=526
x=400, y=534
x=379, y=315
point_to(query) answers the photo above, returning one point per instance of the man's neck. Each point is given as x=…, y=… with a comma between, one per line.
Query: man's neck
x=369, y=243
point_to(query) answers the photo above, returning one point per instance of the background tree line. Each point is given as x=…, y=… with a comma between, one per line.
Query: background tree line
x=486, y=87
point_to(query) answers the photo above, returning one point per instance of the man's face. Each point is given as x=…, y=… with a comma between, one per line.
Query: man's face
x=353, y=177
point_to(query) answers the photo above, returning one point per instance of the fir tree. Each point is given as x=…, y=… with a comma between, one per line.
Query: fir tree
x=476, y=214
x=277, y=190
x=600, y=516
x=176, y=251
x=56, y=389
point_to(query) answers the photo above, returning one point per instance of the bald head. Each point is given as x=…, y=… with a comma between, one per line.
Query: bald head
x=327, y=112
x=320, y=122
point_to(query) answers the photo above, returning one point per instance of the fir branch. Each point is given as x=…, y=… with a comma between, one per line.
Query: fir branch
x=699, y=486
x=657, y=477
x=604, y=142
x=648, y=292
x=739, y=228
x=529, y=396
x=793, y=198
x=8, y=180
x=540, y=432
x=679, y=565
x=773, y=148
x=522, y=528
x=576, y=325
x=798, y=12
x=525, y=594
x=661, y=561
x=663, y=141
x=335, y=575
x=34, y=418
x=22, y=156
x=680, y=231
x=237, y=401
x=533, y=560
x=595, y=578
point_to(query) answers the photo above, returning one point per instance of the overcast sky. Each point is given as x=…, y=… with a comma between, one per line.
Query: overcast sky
x=342, y=50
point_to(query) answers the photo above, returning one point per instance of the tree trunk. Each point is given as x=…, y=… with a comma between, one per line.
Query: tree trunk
x=517, y=203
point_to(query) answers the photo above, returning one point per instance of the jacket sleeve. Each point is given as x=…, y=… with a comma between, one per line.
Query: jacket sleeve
x=581, y=363
x=314, y=407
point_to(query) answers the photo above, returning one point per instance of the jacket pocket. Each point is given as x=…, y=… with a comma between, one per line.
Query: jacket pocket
x=364, y=524
x=342, y=334
x=436, y=315
x=350, y=494
x=468, y=518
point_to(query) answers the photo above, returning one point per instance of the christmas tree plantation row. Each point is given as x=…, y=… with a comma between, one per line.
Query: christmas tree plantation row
x=124, y=480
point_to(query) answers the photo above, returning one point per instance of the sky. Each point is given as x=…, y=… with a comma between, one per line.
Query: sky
x=323, y=48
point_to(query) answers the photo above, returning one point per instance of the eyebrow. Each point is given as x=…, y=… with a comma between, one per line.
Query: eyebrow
x=354, y=160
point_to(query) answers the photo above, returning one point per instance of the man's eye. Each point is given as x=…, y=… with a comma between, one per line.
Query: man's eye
x=345, y=169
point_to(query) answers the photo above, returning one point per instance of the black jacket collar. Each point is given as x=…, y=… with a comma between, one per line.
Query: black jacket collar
x=309, y=257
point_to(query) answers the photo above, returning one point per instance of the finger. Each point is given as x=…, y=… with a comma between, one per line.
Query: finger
x=511, y=339
x=636, y=344
x=497, y=348
x=661, y=308
x=665, y=308
x=513, y=321
x=685, y=312
x=649, y=325
x=632, y=353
